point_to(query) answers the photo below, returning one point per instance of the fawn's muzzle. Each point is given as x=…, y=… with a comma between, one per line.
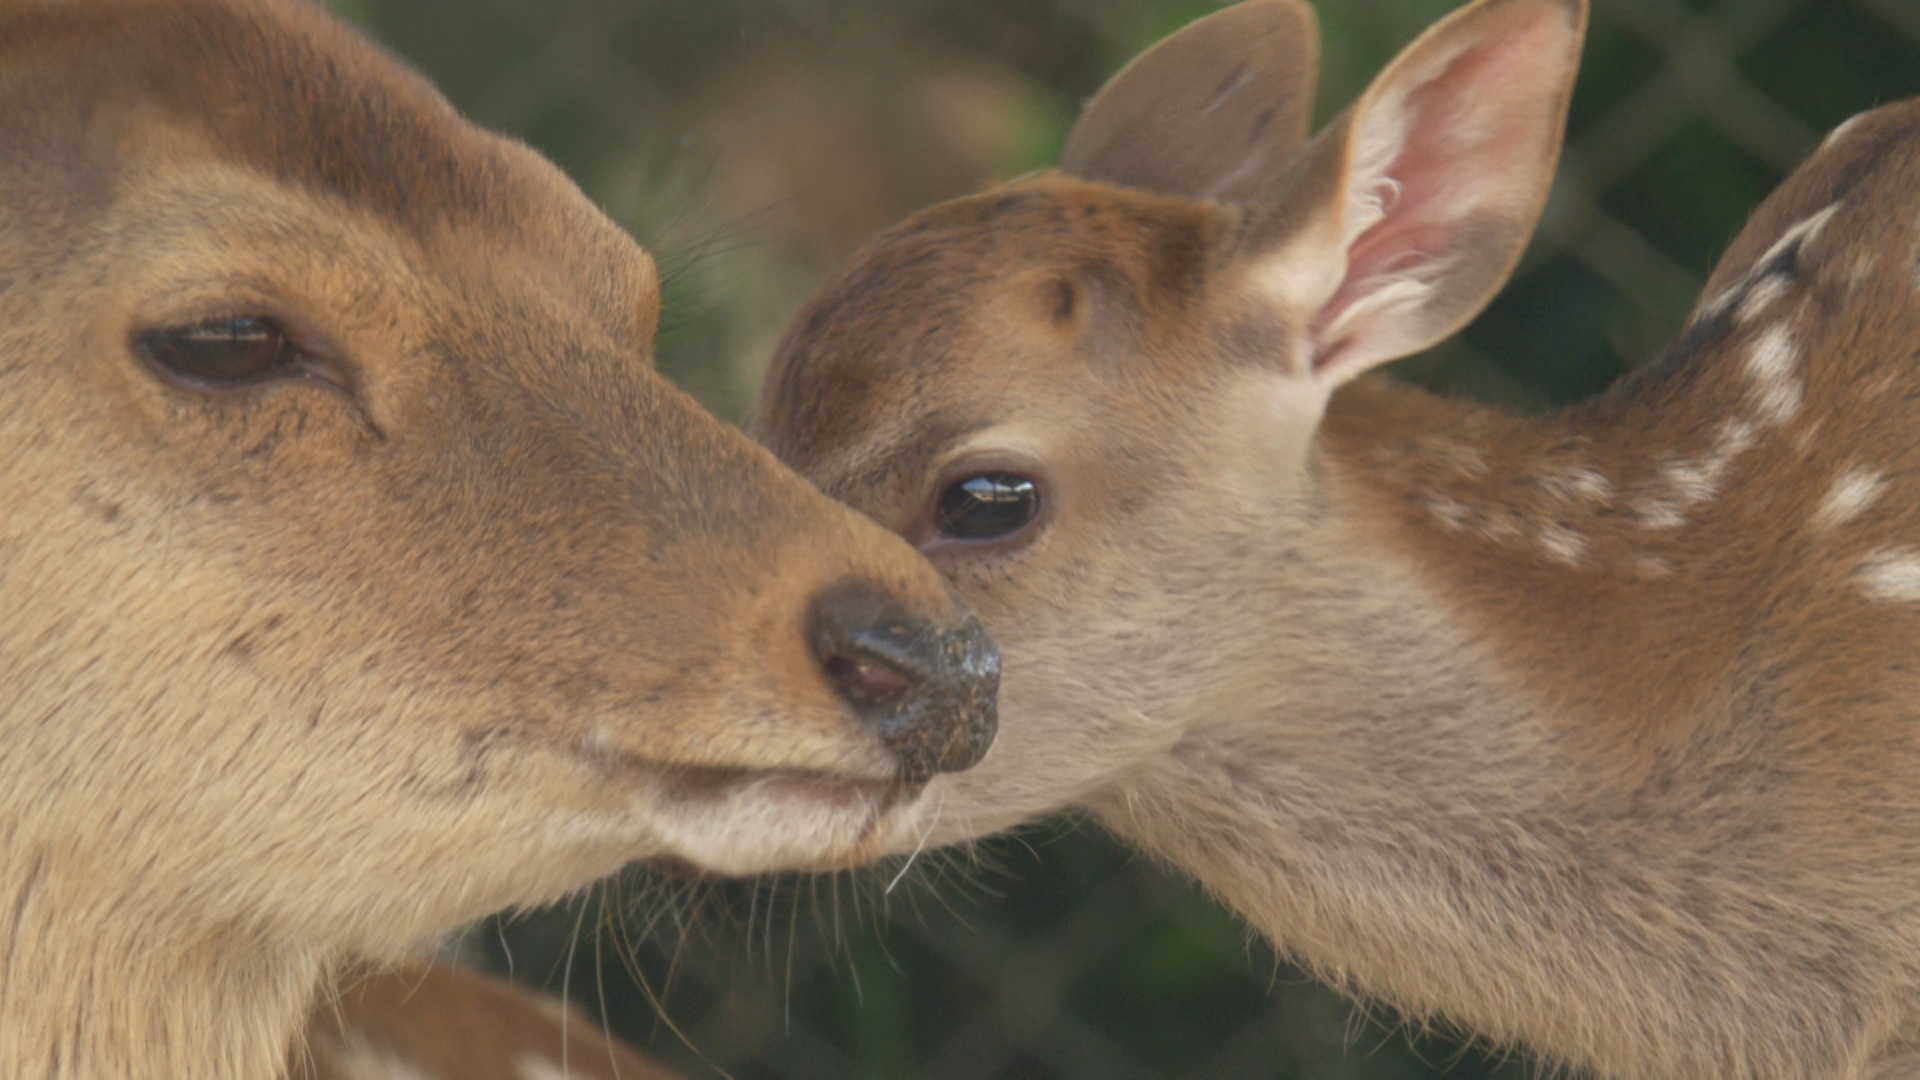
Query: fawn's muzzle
x=927, y=691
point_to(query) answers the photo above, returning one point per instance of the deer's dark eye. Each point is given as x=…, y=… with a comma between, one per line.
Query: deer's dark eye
x=986, y=507
x=222, y=354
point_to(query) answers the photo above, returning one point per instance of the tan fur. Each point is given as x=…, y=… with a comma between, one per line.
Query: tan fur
x=1595, y=731
x=318, y=670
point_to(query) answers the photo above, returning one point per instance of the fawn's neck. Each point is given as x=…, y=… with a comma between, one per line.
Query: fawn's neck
x=1490, y=768
x=91, y=991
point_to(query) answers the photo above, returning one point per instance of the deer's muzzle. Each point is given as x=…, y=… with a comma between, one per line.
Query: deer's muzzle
x=928, y=691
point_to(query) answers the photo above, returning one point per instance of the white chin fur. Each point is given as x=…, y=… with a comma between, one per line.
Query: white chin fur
x=773, y=824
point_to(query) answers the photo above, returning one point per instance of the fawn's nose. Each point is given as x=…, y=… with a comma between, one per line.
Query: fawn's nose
x=928, y=691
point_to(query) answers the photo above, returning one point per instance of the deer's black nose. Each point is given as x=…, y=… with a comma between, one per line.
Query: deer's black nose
x=928, y=691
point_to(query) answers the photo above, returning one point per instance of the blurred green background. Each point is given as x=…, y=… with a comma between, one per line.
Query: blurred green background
x=751, y=144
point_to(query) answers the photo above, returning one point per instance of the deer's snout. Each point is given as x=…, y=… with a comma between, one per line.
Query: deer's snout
x=928, y=691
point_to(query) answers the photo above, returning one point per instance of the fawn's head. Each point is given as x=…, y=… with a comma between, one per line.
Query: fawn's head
x=1090, y=396
x=361, y=575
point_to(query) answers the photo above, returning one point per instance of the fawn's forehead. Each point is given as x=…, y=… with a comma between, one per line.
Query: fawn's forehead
x=952, y=307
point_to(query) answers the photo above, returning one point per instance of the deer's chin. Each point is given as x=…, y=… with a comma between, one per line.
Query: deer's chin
x=743, y=824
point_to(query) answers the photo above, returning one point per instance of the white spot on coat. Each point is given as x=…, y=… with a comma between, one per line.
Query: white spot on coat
x=1890, y=574
x=1776, y=393
x=1773, y=355
x=1777, y=402
x=1449, y=512
x=1761, y=297
x=1590, y=485
x=1580, y=484
x=1732, y=440
x=1861, y=267
x=1561, y=545
x=1655, y=513
x=1803, y=439
x=1652, y=567
x=1498, y=527
x=1803, y=232
x=1464, y=460
x=1685, y=484
x=532, y=1068
x=1853, y=491
x=1840, y=132
x=1692, y=483
x=355, y=1060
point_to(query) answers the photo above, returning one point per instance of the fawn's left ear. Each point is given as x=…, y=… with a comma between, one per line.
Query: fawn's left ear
x=1211, y=112
x=1404, y=217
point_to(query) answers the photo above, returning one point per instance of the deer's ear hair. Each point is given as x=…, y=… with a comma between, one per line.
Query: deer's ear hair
x=1211, y=112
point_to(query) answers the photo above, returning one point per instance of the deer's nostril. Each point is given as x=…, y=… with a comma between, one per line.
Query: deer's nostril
x=927, y=691
x=865, y=679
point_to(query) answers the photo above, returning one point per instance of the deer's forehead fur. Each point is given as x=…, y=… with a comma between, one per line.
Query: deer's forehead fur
x=287, y=91
x=1023, y=310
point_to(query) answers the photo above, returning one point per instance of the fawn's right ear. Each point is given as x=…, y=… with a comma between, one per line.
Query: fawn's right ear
x=1212, y=112
x=1404, y=217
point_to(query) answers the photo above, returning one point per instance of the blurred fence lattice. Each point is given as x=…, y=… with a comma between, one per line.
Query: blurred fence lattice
x=751, y=144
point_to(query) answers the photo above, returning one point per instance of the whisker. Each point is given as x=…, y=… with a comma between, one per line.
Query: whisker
x=792, y=933
x=566, y=988
x=939, y=808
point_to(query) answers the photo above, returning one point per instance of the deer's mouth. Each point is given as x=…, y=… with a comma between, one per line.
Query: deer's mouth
x=701, y=783
x=735, y=822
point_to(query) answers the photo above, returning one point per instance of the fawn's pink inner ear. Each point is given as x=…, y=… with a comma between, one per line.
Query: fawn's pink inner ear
x=1436, y=168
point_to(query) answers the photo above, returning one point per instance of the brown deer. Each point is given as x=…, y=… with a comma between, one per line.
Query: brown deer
x=360, y=576
x=1597, y=731
x=423, y=1022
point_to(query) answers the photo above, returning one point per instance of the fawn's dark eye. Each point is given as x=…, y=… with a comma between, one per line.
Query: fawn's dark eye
x=986, y=507
x=222, y=354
